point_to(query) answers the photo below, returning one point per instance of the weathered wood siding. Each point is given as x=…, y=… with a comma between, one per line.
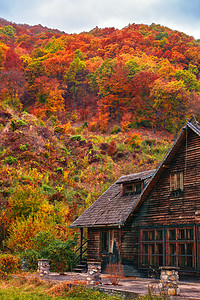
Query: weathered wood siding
x=94, y=251
x=93, y=248
x=163, y=207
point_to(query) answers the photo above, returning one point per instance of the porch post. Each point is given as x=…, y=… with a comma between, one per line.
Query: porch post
x=81, y=245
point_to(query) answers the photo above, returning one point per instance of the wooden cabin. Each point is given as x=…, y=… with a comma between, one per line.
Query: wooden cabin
x=152, y=218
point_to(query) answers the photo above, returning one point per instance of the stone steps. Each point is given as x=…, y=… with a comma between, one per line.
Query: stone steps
x=81, y=268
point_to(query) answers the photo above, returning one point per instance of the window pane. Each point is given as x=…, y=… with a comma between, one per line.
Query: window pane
x=151, y=254
x=145, y=235
x=189, y=234
x=159, y=235
x=152, y=235
x=172, y=255
x=181, y=181
x=145, y=249
x=182, y=234
x=160, y=255
x=172, y=234
x=177, y=181
x=105, y=242
x=145, y=260
x=128, y=188
x=138, y=188
x=172, y=187
x=182, y=260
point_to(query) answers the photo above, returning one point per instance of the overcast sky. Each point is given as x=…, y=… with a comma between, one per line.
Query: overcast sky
x=75, y=16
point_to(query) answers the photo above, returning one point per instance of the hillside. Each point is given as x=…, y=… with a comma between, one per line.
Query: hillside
x=140, y=75
x=51, y=172
x=78, y=111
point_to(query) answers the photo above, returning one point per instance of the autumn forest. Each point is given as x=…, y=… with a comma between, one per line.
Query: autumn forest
x=77, y=111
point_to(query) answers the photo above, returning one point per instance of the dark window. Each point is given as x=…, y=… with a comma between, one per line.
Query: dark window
x=151, y=250
x=159, y=235
x=105, y=242
x=133, y=188
x=151, y=235
x=145, y=235
x=180, y=248
x=182, y=234
x=175, y=248
x=189, y=234
x=128, y=188
x=159, y=255
x=172, y=255
x=138, y=188
x=172, y=234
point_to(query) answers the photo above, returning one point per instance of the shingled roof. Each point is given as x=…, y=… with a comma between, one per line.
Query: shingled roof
x=135, y=177
x=112, y=208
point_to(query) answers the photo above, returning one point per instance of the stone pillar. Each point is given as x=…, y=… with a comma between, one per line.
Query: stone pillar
x=24, y=265
x=43, y=268
x=169, y=281
x=94, y=273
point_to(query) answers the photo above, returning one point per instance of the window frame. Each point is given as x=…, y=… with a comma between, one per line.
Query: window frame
x=134, y=188
x=107, y=241
x=178, y=245
x=176, y=181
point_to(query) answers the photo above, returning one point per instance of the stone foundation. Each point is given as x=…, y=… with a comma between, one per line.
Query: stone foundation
x=169, y=281
x=94, y=273
x=43, y=268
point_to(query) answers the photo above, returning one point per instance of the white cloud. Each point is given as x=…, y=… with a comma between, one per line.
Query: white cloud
x=81, y=15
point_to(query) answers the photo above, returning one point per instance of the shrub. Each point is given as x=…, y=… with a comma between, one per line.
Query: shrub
x=46, y=154
x=10, y=160
x=61, y=255
x=31, y=257
x=77, y=137
x=115, y=129
x=23, y=147
x=77, y=290
x=21, y=123
x=125, y=123
x=9, y=263
x=42, y=239
x=112, y=148
x=25, y=201
x=115, y=271
x=47, y=188
x=59, y=170
x=15, y=124
x=93, y=126
x=134, y=140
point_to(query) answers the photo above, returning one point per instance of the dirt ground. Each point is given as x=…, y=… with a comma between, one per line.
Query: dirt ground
x=139, y=286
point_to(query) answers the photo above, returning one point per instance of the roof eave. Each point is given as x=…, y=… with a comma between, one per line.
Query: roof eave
x=97, y=225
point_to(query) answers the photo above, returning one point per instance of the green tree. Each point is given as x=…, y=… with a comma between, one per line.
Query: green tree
x=189, y=79
x=75, y=75
x=24, y=202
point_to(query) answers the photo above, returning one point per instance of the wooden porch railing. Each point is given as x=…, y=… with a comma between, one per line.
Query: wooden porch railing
x=82, y=251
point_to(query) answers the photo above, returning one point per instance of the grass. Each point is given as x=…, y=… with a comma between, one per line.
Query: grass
x=33, y=288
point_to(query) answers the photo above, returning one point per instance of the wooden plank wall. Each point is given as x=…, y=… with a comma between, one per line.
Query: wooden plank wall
x=164, y=208
x=93, y=248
